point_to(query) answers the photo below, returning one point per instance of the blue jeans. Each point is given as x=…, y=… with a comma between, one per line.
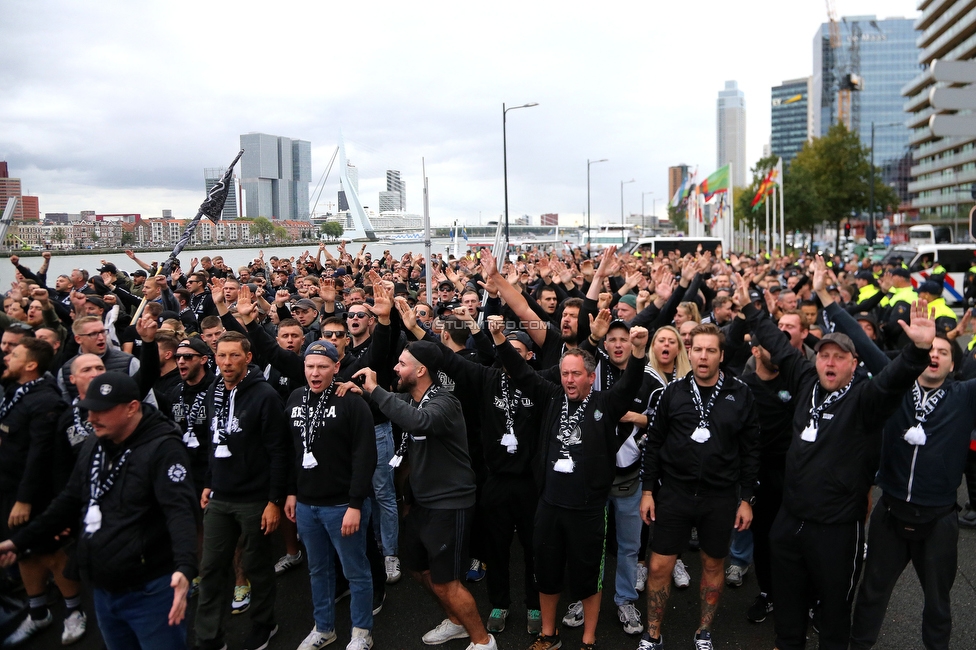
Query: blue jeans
x=386, y=519
x=740, y=554
x=139, y=618
x=628, y=521
x=321, y=529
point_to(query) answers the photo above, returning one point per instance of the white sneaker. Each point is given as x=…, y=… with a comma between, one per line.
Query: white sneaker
x=491, y=645
x=361, y=640
x=734, y=575
x=641, y=577
x=444, y=632
x=28, y=628
x=393, y=574
x=574, y=616
x=680, y=575
x=630, y=617
x=316, y=639
x=286, y=562
x=74, y=627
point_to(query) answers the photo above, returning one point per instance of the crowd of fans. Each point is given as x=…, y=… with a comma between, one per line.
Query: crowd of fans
x=157, y=429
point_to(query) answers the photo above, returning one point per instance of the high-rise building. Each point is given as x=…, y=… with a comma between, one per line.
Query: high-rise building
x=676, y=176
x=549, y=219
x=944, y=168
x=211, y=175
x=275, y=173
x=395, y=184
x=32, y=209
x=789, y=119
x=390, y=202
x=884, y=56
x=731, y=131
x=9, y=188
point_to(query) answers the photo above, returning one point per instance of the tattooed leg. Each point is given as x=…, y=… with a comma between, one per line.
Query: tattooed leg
x=712, y=582
x=658, y=590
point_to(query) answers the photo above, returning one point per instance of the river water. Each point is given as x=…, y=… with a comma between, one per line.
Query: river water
x=233, y=257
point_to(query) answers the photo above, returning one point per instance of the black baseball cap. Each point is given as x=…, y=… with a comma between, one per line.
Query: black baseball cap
x=198, y=345
x=108, y=268
x=108, y=390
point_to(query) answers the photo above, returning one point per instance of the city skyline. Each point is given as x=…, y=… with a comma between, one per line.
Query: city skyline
x=126, y=123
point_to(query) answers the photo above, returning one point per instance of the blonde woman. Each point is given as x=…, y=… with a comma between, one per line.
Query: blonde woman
x=687, y=311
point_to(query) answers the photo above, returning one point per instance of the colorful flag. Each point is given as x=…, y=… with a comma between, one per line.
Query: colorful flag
x=464, y=232
x=717, y=182
x=774, y=177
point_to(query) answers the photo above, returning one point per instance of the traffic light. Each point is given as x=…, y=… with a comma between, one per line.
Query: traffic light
x=847, y=229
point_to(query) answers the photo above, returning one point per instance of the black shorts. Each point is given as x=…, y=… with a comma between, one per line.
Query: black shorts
x=437, y=541
x=45, y=547
x=676, y=512
x=576, y=538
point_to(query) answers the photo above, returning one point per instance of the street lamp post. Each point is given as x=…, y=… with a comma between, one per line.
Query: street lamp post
x=872, y=230
x=505, y=162
x=588, y=163
x=623, y=228
x=643, y=222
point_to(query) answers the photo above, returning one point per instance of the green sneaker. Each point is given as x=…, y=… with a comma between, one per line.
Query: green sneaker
x=496, y=621
x=534, y=623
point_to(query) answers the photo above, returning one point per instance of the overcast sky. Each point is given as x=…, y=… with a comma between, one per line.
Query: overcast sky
x=119, y=106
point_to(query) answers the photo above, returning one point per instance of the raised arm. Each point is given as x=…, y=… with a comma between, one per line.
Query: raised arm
x=514, y=299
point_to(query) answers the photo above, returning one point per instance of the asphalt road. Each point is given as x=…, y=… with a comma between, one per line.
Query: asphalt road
x=409, y=613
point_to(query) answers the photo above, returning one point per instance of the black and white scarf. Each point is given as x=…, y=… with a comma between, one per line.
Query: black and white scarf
x=310, y=422
x=224, y=423
x=192, y=414
x=99, y=485
x=402, y=449
x=511, y=401
x=8, y=404
x=924, y=403
x=809, y=434
x=83, y=428
x=568, y=425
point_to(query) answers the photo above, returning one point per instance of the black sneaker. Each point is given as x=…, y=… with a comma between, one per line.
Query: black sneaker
x=703, y=640
x=761, y=608
x=213, y=644
x=378, y=600
x=260, y=637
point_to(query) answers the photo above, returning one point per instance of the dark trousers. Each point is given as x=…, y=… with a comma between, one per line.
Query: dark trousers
x=225, y=522
x=822, y=561
x=508, y=505
x=934, y=559
x=769, y=498
x=971, y=477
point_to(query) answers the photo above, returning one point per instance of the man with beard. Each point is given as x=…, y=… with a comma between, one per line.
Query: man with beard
x=201, y=302
x=329, y=498
x=579, y=444
x=360, y=323
x=92, y=338
x=34, y=465
x=817, y=537
x=436, y=531
x=245, y=489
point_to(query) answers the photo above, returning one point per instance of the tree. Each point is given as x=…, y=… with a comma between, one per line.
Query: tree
x=332, y=229
x=128, y=238
x=678, y=217
x=743, y=200
x=279, y=233
x=262, y=227
x=836, y=171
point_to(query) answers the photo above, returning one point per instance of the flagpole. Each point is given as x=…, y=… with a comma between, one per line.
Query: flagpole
x=427, y=263
x=731, y=226
x=782, y=217
x=768, y=238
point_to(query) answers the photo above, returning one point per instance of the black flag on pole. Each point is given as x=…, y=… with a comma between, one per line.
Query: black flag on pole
x=211, y=207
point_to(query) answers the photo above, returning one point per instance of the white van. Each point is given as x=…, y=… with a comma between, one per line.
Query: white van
x=929, y=234
x=956, y=258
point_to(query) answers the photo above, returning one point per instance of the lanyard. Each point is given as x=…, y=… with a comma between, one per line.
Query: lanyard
x=702, y=433
x=310, y=423
x=99, y=486
x=402, y=449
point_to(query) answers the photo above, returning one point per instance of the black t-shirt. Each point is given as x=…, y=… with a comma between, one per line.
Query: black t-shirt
x=129, y=335
x=566, y=490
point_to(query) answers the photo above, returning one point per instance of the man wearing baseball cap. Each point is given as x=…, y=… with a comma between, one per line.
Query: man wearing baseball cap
x=137, y=546
x=817, y=538
x=896, y=306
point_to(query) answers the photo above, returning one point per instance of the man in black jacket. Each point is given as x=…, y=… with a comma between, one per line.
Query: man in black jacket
x=817, y=538
x=245, y=489
x=34, y=465
x=578, y=446
x=137, y=543
x=702, y=458
x=329, y=499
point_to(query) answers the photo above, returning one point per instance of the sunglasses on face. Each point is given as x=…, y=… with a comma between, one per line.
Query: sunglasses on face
x=421, y=312
x=186, y=356
x=358, y=314
x=333, y=335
